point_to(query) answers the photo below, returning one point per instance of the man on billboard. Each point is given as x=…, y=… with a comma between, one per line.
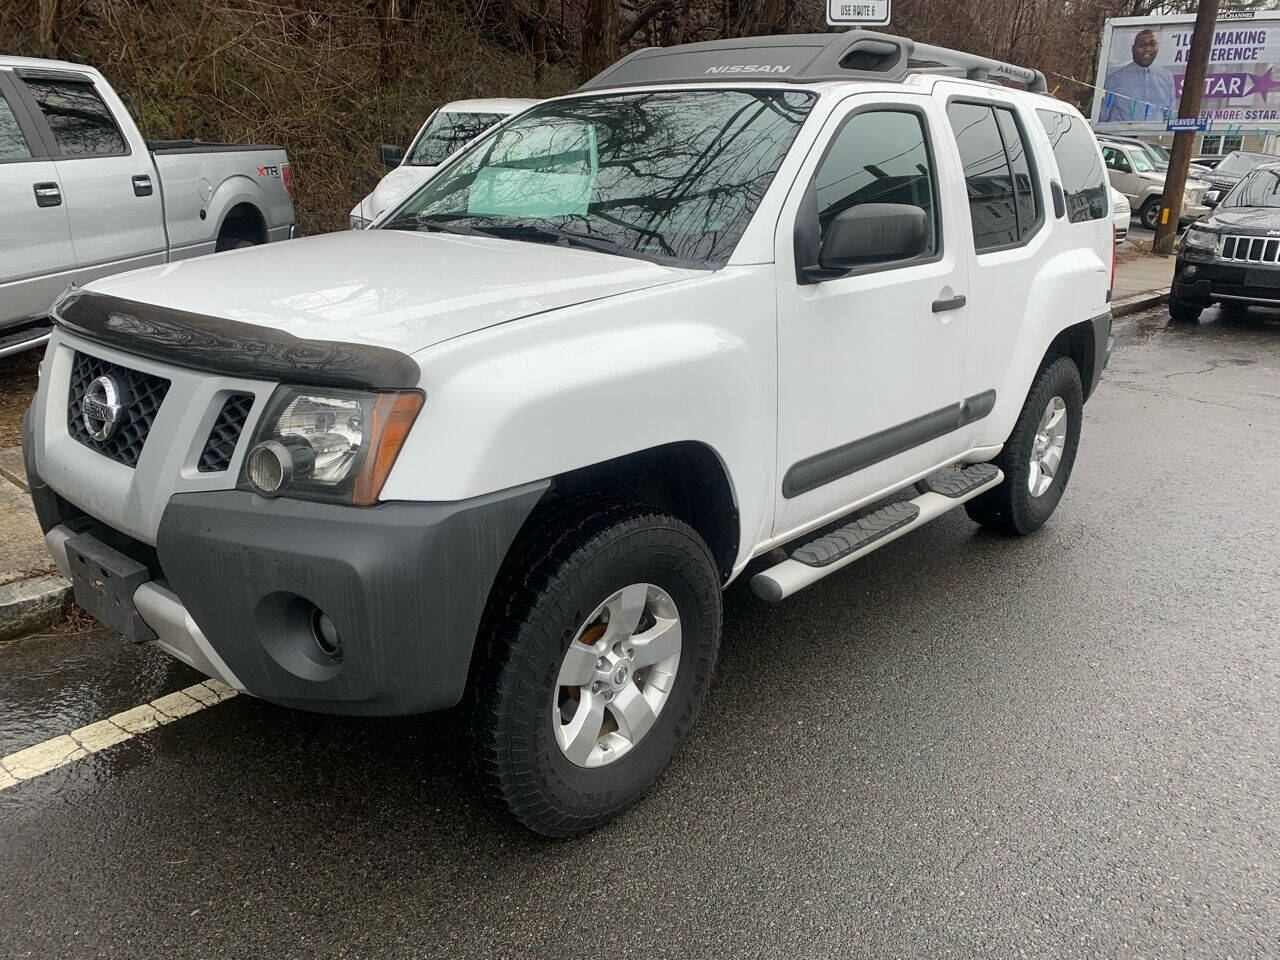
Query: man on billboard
x=1140, y=82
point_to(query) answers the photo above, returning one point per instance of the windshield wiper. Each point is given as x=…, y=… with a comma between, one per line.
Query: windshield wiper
x=416, y=222
x=566, y=238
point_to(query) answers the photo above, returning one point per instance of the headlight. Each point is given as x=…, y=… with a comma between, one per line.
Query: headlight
x=318, y=444
x=358, y=223
x=1200, y=239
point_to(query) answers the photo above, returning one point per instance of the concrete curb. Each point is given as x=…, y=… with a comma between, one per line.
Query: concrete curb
x=1139, y=302
x=32, y=604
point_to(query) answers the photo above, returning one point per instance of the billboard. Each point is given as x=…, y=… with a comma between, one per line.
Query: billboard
x=1143, y=60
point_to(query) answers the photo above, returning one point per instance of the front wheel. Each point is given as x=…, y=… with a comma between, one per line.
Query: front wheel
x=1184, y=311
x=1038, y=456
x=600, y=649
x=1150, y=213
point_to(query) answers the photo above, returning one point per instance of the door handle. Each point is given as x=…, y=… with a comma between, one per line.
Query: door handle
x=955, y=303
x=142, y=185
x=47, y=194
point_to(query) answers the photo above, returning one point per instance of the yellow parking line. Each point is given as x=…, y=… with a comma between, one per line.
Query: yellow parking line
x=78, y=744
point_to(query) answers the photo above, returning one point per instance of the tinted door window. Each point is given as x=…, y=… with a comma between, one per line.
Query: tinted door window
x=987, y=175
x=878, y=157
x=1083, y=182
x=81, y=123
x=1116, y=160
x=1026, y=198
x=13, y=145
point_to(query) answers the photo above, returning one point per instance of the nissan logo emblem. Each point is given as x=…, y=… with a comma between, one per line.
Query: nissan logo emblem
x=101, y=408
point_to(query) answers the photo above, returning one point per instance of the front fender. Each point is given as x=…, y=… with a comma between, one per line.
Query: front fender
x=535, y=398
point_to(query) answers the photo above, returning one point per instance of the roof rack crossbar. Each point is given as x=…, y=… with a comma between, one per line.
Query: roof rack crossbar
x=981, y=68
x=803, y=58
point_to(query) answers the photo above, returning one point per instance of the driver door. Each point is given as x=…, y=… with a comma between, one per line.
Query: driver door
x=870, y=364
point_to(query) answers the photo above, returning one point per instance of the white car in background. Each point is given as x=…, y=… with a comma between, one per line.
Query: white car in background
x=1120, y=214
x=445, y=131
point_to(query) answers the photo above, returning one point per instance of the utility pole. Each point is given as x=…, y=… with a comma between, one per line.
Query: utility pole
x=1175, y=179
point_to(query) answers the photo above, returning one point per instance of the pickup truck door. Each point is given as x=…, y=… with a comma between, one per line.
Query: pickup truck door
x=108, y=180
x=869, y=364
x=36, y=258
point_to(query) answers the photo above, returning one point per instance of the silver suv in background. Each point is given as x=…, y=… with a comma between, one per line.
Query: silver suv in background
x=445, y=131
x=1133, y=174
x=83, y=196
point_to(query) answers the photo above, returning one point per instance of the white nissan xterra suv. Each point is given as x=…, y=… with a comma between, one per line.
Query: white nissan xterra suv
x=779, y=299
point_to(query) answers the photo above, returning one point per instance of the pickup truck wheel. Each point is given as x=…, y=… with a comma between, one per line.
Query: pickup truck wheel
x=1150, y=213
x=599, y=654
x=1038, y=456
x=232, y=243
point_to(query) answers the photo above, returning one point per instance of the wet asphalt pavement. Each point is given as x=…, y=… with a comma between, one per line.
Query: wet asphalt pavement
x=964, y=745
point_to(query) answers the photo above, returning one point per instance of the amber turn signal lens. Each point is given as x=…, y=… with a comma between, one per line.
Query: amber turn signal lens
x=393, y=415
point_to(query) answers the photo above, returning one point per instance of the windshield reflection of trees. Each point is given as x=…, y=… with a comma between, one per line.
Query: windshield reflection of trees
x=678, y=174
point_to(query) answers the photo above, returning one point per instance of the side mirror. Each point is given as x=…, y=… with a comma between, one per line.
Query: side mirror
x=391, y=155
x=871, y=233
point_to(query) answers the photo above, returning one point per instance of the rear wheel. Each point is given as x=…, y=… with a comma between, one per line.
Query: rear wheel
x=232, y=243
x=600, y=648
x=1039, y=454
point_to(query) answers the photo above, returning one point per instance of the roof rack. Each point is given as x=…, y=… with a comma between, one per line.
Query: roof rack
x=806, y=58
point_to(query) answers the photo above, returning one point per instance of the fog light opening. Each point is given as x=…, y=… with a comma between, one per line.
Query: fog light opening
x=326, y=634
x=1191, y=270
x=270, y=467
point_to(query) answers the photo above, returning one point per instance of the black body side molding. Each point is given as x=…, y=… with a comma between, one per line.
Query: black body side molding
x=230, y=347
x=823, y=468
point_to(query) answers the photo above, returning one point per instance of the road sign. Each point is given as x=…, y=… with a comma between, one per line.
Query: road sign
x=1199, y=124
x=857, y=13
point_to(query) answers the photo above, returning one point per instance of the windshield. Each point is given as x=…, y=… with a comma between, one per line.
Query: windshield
x=445, y=133
x=1140, y=162
x=1161, y=153
x=668, y=175
x=1259, y=189
x=1241, y=163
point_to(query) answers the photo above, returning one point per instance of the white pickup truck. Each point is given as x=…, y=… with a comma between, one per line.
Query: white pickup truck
x=82, y=195
x=757, y=306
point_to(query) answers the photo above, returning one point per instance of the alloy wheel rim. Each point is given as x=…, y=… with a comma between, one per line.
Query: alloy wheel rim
x=1047, y=447
x=617, y=675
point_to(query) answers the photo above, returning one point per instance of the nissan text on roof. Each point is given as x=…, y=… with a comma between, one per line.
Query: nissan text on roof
x=511, y=444
x=83, y=196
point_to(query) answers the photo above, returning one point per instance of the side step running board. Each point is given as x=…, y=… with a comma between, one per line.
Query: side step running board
x=944, y=491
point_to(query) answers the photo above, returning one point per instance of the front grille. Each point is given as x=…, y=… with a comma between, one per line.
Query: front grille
x=1250, y=250
x=140, y=397
x=224, y=436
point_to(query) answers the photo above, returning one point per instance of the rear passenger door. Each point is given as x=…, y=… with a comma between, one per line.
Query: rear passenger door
x=1007, y=231
x=108, y=183
x=869, y=364
x=36, y=258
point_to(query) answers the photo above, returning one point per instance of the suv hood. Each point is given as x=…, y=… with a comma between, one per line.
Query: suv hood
x=393, y=188
x=387, y=288
x=1260, y=221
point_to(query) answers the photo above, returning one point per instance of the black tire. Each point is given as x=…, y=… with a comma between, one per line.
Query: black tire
x=1010, y=507
x=1184, y=311
x=557, y=576
x=1150, y=213
x=232, y=243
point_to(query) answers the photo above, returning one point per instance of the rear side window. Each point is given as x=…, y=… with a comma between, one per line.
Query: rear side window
x=1083, y=181
x=1003, y=202
x=13, y=145
x=81, y=123
x=881, y=156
